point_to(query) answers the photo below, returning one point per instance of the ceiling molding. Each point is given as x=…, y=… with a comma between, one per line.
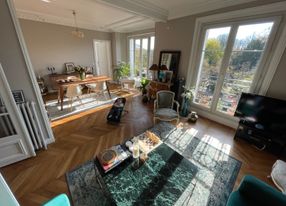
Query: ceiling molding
x=206, y=7
x=140, y=7
x=130, y=23
x=127, y=21
x=41, y=17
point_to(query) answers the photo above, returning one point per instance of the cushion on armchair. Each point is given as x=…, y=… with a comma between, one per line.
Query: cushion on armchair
x=166, y=113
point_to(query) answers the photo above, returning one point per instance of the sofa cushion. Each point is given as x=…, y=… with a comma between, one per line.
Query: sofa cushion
x=278, y=175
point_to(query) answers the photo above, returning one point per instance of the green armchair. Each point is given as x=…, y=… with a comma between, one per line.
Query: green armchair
x=253, y=191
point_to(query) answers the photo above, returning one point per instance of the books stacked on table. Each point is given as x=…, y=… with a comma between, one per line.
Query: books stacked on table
x=112, y=157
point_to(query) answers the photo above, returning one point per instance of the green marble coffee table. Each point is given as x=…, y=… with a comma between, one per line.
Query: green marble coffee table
x=161, y=180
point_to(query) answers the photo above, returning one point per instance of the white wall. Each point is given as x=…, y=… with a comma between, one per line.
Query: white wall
x=53, y=45
x=13, y=62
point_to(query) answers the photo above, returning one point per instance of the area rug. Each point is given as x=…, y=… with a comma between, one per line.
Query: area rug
x=186, y=171
x=86, y=101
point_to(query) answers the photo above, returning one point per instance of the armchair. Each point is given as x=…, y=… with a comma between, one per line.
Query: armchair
x=163, y=107
x=253, y=191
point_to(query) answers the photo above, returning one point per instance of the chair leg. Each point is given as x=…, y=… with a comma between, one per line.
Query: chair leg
x=79, y=100
x=71, y=103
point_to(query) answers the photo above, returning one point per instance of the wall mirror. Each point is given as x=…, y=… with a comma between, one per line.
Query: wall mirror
x=171, y=59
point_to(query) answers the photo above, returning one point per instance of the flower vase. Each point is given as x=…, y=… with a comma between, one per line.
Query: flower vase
x=82, y=75
x=185, y=107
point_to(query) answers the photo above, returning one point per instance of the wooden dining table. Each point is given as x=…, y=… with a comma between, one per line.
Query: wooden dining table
x=62, y=84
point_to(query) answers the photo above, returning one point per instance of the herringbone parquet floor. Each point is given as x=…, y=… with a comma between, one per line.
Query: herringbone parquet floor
x=81, y=137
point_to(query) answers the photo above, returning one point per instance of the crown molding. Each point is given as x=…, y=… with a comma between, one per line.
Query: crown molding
x=206, y=7
x=140, y=7
x=113, y=27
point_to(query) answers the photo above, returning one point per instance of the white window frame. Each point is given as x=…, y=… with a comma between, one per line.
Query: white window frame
x=141, y=37
x=273, y=50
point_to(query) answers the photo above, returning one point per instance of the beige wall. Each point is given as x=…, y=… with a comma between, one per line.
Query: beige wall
x=53, y=45
x=177, y=34
x=13, y=62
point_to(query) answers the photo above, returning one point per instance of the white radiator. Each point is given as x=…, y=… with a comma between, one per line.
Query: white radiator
x=31, y=119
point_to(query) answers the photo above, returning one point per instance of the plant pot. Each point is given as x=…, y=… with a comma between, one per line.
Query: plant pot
x=82, y=75
x=145, y=99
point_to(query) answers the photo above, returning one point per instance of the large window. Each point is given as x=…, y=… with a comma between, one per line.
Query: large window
x=141, y=50
x=230, y=62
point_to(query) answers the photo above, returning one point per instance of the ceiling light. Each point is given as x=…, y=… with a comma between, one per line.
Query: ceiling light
x=76, y=32
x=46, y=1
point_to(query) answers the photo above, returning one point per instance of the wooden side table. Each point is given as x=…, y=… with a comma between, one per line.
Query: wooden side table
x=155, y=86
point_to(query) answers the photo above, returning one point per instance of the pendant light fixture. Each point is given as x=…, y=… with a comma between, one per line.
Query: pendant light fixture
x=76, y=32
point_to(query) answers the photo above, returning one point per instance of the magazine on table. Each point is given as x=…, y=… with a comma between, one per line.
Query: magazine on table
x=112, y=157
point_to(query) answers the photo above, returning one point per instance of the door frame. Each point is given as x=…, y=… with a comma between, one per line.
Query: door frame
x=25, y=146
x=31, y=72
x=260, y=12
x=109, y=56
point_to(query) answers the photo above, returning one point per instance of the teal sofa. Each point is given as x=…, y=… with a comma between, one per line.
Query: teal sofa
x=253, y=191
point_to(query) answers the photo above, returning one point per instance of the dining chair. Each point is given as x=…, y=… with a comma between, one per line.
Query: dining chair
x=98, y=88
x=128, y=84
x=163, y=107
x=72, y=92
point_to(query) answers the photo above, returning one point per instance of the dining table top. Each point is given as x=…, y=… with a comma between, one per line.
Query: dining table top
x=94, y=79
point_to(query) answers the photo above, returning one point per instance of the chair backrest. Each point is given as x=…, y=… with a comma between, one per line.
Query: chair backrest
x=165, y=99
x=88, y=76
x=73, y=91
x=72, y=78
x=128, y=83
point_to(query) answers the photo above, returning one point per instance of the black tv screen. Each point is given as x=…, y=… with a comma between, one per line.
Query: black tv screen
x=265, y=113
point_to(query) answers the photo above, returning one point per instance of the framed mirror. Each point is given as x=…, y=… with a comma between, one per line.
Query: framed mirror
x=171, y=59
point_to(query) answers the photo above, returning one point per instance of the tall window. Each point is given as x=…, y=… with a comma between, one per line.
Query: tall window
x=229, y=64
x=141, y=50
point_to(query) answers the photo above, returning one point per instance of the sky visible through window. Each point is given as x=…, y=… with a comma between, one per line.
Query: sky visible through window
x=244, y=31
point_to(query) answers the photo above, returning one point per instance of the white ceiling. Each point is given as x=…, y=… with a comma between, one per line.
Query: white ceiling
x=114, y=15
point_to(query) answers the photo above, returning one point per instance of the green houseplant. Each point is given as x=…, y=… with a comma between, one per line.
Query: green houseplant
x=121, y=70
x=144, y=82
x=81, y=70
x=187, y=96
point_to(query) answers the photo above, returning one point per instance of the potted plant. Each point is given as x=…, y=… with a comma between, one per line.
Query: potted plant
x=187, y=96
x=144, y=82
x=121, y=70
x=81, y=70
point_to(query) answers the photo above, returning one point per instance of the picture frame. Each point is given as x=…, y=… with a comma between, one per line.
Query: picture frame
x=89, y=70
x=18, y=96
x=70, y=67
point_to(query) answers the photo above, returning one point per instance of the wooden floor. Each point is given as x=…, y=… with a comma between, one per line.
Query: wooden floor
x=80, y=138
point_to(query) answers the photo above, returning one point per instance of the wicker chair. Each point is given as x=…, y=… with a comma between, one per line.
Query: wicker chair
x=163, y=107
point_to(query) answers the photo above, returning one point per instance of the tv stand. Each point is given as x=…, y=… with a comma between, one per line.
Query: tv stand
x=255, y=134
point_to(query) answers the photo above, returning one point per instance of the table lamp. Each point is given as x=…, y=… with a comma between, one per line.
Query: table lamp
x=154, y=68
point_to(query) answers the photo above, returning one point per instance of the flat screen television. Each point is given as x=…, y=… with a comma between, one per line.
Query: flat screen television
x=265, y=113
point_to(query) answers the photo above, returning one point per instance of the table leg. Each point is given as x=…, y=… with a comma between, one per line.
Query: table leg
x=108, y=89
x=62, y=97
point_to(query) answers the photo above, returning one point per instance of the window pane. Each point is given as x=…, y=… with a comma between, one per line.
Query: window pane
x=145, y=64
x=131, y=57
x=137, y=57
x=152, y=45
x=212, y=54
x=245, y=58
